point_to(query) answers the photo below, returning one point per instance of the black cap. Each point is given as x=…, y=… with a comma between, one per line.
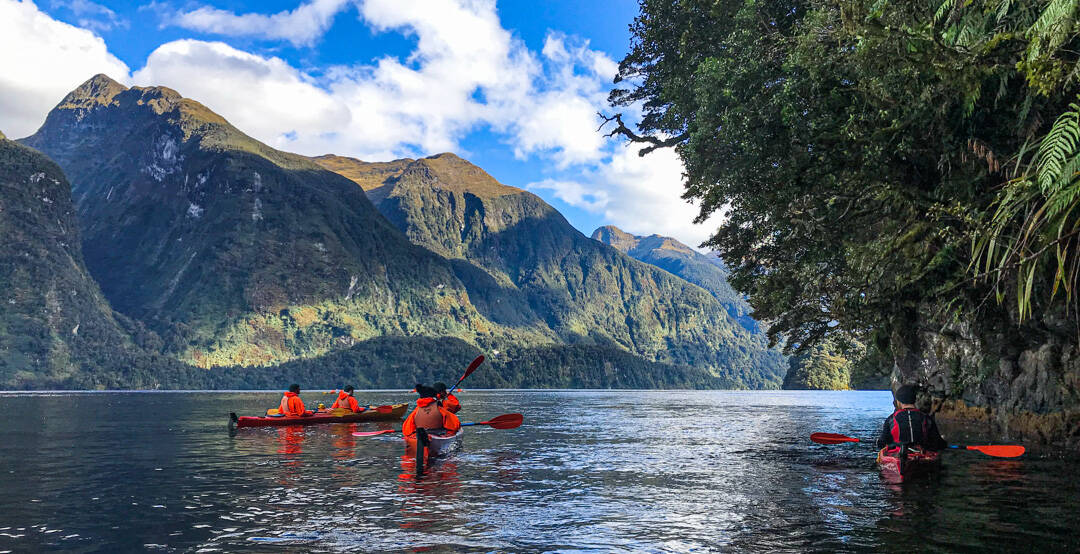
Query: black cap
x=905, y=394
x=294, y=388
x=348, y=388
x=425, y=391
x=439, y=387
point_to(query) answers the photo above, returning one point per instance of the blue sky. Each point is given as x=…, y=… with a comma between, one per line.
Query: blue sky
x=512, y=86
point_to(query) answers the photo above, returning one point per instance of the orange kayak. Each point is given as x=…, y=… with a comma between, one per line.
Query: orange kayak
x=369, y=414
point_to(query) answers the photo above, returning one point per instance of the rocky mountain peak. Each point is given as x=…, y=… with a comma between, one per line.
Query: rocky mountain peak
x=98, y=90
x=2, y=135
x=616, y=238
x=448, y=170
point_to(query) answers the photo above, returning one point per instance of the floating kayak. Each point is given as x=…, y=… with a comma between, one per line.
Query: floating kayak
x=369, y=414
x=437, y=445
x=917, y=462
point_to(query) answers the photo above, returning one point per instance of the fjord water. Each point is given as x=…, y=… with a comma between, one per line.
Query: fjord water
x=655, y=471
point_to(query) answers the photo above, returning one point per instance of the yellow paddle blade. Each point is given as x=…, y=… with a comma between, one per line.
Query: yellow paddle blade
x=273, y=411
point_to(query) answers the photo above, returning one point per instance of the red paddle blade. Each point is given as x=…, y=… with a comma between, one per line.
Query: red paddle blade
x=831, y=438
x=1000, y=450
x=385, y=409
x=472, y=367
x=373, y=433
x=505, y=421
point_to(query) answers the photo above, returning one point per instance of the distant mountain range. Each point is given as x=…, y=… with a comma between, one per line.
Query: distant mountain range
x=704, y=270
x=217, y=251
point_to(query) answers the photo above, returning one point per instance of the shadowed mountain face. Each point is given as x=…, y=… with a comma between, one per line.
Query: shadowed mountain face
x=235, y=252
x=53, y=318
x=524, y=265
x=704, y=270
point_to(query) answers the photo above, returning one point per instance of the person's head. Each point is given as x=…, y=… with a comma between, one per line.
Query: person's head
x=348, y=389
x=439, y=387
x=294, y=388
x=425, y=391
x=904, y=394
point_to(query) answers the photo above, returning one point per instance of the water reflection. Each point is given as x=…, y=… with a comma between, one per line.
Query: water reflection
x=668, y=471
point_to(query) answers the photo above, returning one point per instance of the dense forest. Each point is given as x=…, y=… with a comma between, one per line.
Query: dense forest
x=899, y=173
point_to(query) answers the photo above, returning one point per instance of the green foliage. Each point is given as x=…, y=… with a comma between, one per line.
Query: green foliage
x=858, y=148
x=820, y=367
x=1035, y=225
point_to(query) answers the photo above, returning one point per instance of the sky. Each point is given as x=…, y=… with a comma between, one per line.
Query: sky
x=512, y=86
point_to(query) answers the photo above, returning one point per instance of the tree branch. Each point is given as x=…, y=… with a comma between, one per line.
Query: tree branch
x=622, y=129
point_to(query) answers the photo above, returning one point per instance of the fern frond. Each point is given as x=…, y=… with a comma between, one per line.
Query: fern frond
x=944, y=9
x=1060, y=143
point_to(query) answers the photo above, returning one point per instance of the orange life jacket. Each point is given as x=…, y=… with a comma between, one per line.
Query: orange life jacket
x=346, y=400
x=291, y=405
x=451, y=403
x=450, y=422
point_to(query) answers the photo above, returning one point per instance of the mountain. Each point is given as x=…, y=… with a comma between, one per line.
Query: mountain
x=237, y=253
x=56, y=328
x=704, y=270
x=221, y=252
x=524, y=266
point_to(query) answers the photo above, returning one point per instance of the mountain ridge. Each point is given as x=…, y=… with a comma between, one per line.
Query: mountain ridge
x=583, y=292
x=236, y=252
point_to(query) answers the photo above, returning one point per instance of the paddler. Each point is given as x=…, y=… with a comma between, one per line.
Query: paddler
x=908, y=425
x=291, y=405
x=346, y=400
x=446, y=400
x=429, y=415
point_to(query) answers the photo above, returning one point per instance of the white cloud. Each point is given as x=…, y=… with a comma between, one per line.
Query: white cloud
x=44, y=60
x=93, y=16
x=574, y=193
x=302, y=26
x=277, y=101
x=639, y=194
x=466, y=73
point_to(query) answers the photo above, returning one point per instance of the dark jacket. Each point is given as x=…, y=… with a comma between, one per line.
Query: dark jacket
x=910, y=426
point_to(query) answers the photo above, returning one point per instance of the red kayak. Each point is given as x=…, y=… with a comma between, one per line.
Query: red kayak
x=897, y=469
x=331, y=416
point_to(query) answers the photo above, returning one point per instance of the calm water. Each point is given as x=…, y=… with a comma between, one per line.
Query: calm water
x=653, y=471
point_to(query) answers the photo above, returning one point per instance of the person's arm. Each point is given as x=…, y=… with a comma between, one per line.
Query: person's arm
x=934, y=440
x=354, y=405
x=451, y=422
x=885, y=437
x=409, y=427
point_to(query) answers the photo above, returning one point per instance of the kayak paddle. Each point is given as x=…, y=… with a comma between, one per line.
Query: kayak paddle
x=505, y=421
x=373, y=433
x=468, y=371
x=995, y=450
x=380, y=409
x=831, y=438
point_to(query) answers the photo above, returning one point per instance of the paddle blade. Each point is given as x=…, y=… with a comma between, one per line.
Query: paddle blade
x=273, y=411
x=831, y=438
x=373, y=433
x=505, y=421
x=472, y=367
x=1000, y=450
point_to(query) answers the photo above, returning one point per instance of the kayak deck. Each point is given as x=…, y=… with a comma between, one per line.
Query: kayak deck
x=917, y=463
x=438, y=444
x=369, y=414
